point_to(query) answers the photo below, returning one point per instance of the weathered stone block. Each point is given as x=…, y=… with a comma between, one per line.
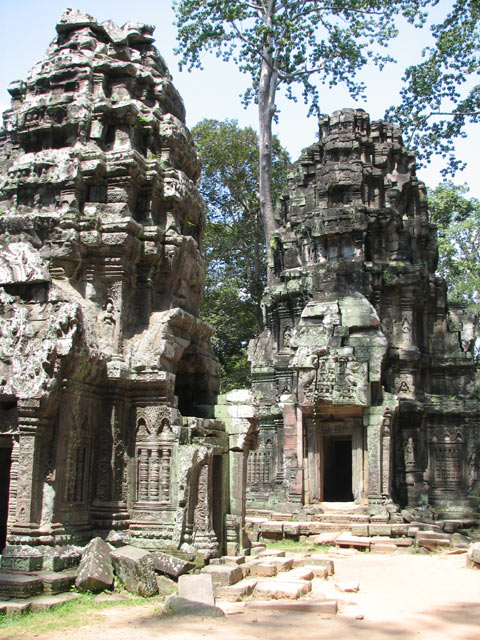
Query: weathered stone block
x=379, y=530
x=311, y=606
x=19, y=585
x=263, y=569
x=198, y=588
x=177, y=605
x=224, y=574
x=95, y=572
x=171, y=565
x=322, y=561
x=135, y=568
x=22, y=558
x=279, y=589
x=360, y=529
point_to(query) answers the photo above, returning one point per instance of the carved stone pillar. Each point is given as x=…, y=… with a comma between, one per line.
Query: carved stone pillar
x=31, y=433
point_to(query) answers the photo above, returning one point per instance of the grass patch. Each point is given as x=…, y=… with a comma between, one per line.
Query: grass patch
x=289, y=544
x=67, y=615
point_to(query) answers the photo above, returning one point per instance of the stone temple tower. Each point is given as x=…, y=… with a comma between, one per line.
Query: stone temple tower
x=364, y=375
x=107, y=376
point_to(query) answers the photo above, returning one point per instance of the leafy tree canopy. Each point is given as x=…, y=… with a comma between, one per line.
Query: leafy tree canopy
x=458, y=220
x=234, y=241
x=440, y=95
x=287, y=42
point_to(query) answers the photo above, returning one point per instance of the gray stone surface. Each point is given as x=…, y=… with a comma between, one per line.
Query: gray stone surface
x=358, y=340
x=171, y=565
x=135, y=568
x=224, y=574
x=101, y=277
x=198, y=588
x=184, y=607
x=95, y=572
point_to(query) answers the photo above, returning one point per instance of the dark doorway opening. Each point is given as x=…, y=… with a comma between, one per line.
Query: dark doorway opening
x=337, y=477
x=5, y=463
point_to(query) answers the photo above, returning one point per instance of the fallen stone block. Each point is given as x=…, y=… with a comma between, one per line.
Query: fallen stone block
x=171, y=565
x=350, y=586
x=311, y=606
x=278, y=589
x=459, y=541
x=135, y=568
x=263, y=569
x=322, y=561
x=300, y=573
x=224, y=574
x=473, y=555
x=317, y=570
x=257, y=551
x=95, y=572
x=432, y=540
x=178, y=605
x=166, y=586
x=236, y=592
x=282, y=564
x=198, y=588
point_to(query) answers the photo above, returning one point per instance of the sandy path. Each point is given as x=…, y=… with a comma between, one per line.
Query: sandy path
x=400, y=597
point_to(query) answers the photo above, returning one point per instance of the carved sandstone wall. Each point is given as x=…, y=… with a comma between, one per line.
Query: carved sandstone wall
x=365, y=377
x=102, y=354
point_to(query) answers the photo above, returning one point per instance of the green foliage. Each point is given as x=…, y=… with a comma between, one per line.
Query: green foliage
x=458, y=221
x=285, y=43
x=301, y=38
x=440, y=94
x=234, y=241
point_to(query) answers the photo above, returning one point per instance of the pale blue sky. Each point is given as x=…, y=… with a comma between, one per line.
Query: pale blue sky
x=28, y=26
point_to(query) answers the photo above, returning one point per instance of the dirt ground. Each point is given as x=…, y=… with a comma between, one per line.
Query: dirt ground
x=400, y=597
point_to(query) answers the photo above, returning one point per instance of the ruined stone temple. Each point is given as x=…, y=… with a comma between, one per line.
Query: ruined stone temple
x=107, y=376
x=364, y=375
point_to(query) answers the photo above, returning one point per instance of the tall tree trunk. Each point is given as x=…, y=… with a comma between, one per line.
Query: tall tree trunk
x=266, y=110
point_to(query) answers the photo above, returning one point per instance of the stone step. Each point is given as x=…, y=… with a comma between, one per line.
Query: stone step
x=236, y=592
x=54, y=582
x=282, y=589
x=342, y=518
x=19, y=585
x=224, y=575
x=349, y=540
x=311, y=606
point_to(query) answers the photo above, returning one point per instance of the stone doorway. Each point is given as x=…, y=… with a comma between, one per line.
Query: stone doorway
x=337, y=469
x=5, y=464
x=334, y=456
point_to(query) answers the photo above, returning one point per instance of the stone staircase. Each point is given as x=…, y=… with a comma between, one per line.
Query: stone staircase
x=271, y=575
x=325, y=523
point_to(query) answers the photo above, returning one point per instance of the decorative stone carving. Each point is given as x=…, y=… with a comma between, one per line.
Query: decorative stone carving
x=380, y=360
x=106, y=371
